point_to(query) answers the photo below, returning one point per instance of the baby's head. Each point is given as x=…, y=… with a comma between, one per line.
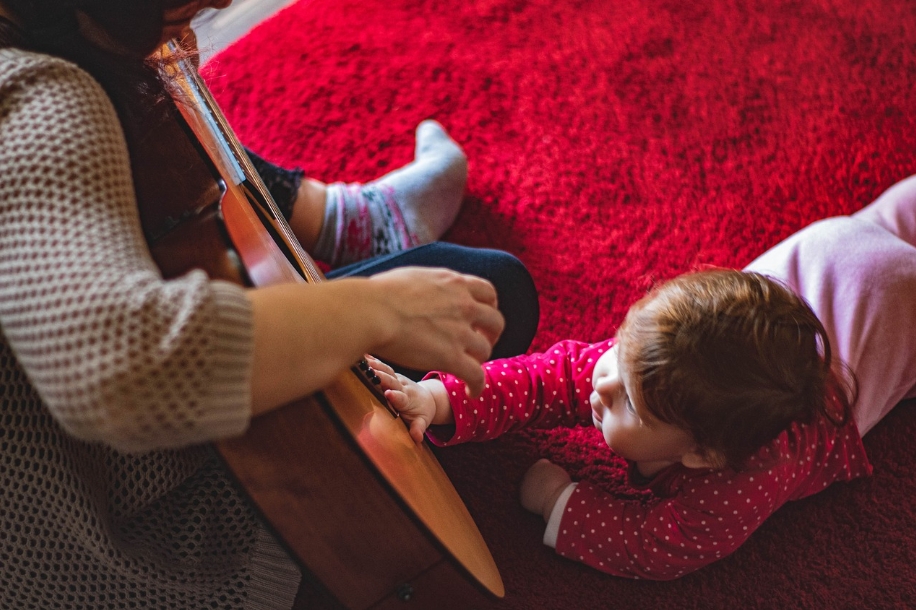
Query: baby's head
x=730, y=357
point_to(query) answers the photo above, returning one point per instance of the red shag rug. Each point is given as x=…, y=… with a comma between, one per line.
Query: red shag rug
x=613, y=144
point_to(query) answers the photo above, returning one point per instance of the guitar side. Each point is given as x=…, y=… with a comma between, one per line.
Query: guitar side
x=389, y=517
x=336, y=476
x=326, y=498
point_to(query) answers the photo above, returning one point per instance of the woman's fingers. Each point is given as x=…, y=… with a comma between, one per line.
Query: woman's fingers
x=482, y=290
x=471, y=372
x=477, y=346
x=447, y=321
x=490, y=323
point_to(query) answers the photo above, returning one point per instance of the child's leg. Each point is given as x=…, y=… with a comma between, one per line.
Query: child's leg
x=895, y=210
x=408, y=207
x=860, y=279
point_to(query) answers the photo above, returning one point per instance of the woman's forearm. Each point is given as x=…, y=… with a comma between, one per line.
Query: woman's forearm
x=304, y=337
x=421, y=318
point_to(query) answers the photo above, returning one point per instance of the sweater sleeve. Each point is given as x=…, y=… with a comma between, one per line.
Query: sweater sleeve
x=117, y=354
x=543, y=390
x=698, y=516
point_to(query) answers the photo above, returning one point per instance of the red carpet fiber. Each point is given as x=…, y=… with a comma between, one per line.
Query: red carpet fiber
x=612, y=144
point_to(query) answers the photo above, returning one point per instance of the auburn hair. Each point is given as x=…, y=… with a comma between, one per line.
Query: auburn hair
x=733, y=358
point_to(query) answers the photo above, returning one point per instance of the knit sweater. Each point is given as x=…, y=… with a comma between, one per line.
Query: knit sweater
x=114, y=380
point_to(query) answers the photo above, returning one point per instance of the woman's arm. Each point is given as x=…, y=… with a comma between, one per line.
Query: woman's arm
x=416, y=317
x=120, y=355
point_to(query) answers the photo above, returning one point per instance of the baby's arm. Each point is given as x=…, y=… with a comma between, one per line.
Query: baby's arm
x=545, y=490
x=542, y=390
x=708, y=515
x=420, y=404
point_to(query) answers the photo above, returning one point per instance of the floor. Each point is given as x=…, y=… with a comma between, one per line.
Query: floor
x=218, y=29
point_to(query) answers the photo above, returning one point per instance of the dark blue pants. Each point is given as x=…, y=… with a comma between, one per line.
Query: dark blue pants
x=518, y=299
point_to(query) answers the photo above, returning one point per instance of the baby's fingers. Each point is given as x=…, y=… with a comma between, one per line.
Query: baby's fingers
x=388, y=380
x=378, y=365
x=398, y=399
x=418, y=430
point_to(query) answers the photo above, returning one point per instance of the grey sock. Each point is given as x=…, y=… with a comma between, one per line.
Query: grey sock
x=408, y=207
x=430, y=189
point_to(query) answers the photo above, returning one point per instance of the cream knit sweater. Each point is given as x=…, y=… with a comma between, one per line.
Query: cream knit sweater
x=113, y=380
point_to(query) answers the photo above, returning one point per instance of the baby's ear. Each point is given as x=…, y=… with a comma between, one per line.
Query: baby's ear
x=703, y=459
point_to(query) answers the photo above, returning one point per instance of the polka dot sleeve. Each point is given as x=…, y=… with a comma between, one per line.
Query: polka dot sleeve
x=661, y=539
x=698, y=516
x=543, y=390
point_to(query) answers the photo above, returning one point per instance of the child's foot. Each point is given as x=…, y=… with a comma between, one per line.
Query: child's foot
x=408, y=207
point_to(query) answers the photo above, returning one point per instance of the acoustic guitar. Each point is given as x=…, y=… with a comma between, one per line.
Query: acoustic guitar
x=336, y=476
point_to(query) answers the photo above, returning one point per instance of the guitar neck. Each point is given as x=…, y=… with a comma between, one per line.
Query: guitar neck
x=226, y=152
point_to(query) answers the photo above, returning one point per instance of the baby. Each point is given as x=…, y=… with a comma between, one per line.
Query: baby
x=728, y=392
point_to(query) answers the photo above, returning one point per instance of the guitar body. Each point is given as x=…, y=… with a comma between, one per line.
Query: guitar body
x=335, y=475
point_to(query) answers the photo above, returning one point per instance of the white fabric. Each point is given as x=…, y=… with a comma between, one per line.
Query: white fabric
x=556, y=515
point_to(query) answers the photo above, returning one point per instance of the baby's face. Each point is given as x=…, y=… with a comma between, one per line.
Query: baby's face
x=627, y=428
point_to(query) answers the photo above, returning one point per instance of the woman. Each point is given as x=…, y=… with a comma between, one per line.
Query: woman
x=114, y=377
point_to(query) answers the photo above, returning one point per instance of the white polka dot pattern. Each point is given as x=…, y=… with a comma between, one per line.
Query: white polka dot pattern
x=695, y=516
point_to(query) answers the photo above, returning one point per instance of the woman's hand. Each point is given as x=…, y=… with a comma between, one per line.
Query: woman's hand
x=445, y=321
x=415, y=402
x=421, y=318
x=542, y=486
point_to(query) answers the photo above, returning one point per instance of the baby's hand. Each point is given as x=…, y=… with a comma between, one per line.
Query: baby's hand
x=542, y=486
x=413, y=401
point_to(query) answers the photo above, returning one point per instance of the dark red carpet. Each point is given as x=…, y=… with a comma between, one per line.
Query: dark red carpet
x=613, y=144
